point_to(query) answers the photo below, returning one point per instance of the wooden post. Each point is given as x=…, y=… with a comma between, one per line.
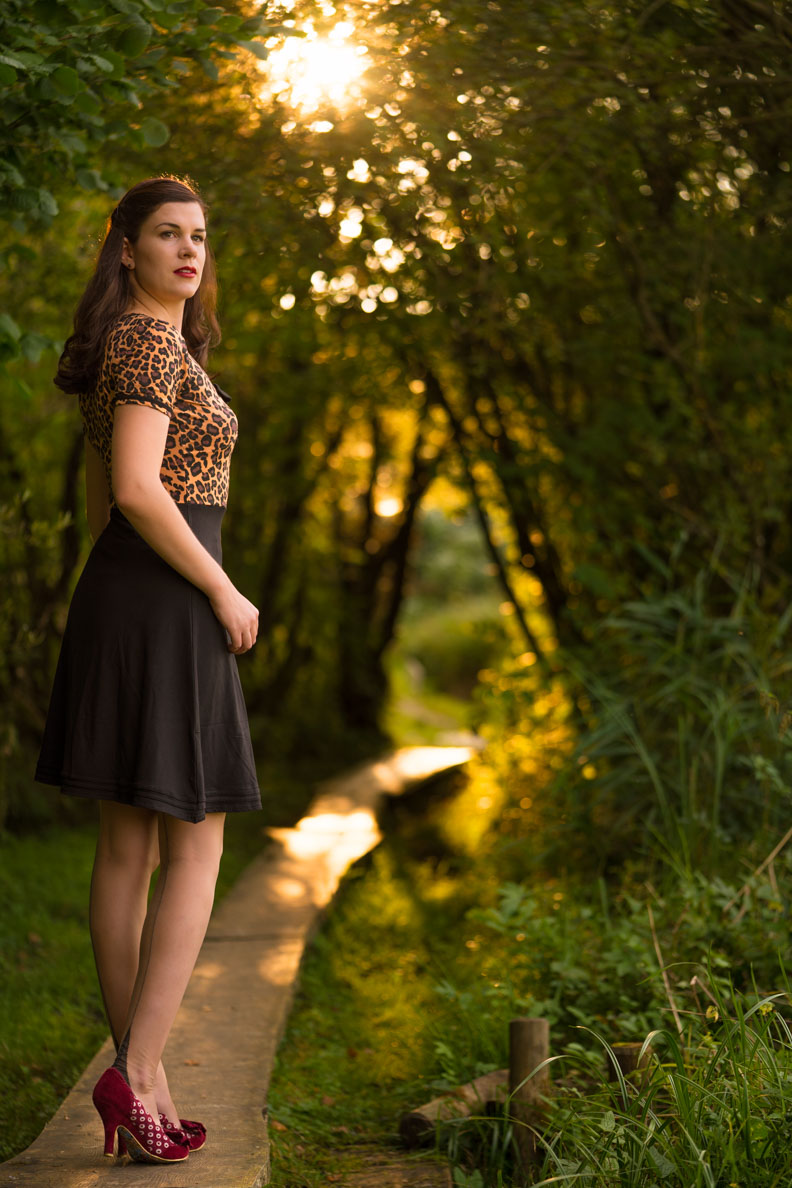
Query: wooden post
x=529, y=1046
x=634, y=1067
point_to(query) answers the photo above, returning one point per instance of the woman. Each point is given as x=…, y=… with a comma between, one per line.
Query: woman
x=146, y=714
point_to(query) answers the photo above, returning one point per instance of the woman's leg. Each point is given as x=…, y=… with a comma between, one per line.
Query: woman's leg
x=173, y=932
x=127, y=853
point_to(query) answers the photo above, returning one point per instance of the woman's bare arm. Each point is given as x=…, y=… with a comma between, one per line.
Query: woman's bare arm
x=97, y=494
x=139, y=435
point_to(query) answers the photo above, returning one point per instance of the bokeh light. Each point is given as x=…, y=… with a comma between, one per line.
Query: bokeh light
x=310, y=71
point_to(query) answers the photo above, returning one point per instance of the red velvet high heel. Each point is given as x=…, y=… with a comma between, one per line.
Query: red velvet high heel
x=194, y=1132
x=138, y=1133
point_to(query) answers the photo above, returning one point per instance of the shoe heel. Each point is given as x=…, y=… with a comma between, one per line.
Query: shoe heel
x=111, y=1122
x=111, y=1117
x=109, y=1133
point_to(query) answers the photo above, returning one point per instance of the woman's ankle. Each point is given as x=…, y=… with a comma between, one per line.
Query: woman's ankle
x=165, y=1104
x=142, y=1080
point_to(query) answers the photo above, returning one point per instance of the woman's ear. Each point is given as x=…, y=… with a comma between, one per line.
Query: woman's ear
x=126, y=254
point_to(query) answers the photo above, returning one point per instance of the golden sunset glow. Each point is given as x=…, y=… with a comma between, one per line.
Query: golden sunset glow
x=307, y=72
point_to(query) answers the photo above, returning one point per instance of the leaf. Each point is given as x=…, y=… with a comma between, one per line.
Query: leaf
x=88, y=103
x=209, y=68
x=25, y=198
x=8, y=75
x=255, y=47
x=12, y=176
x=169, y=20
x=22, y=59
x=663, y=1166
x=155, y=133
x=70, y=141
x=134, y=38
x=90, y=179
x=47, y=204
x=229, y=22
x=9, y=338
x=103, y=64
x=259, y=25
x=608, y=1121
x=9, y=328
x=66, y=80
x=47, y=93
x=116, y=61
x=126, y=92
x=33, y=346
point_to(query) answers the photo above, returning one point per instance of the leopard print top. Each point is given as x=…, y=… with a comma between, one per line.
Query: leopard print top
x=146, y=361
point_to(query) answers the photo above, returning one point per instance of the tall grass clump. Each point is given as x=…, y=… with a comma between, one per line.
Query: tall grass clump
x=711, y=1111
x=687, y=737
x=674, y=744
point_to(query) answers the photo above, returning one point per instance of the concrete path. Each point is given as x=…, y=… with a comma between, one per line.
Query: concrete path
x=222, y=1047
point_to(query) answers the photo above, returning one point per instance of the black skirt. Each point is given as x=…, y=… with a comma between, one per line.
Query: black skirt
x=147, y=707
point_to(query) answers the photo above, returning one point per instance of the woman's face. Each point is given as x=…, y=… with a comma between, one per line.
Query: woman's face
x=168, y=258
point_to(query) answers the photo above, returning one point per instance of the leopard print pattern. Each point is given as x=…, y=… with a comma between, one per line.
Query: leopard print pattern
x=146, y=362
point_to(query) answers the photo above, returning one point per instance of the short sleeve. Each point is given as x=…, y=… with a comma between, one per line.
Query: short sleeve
x=146, y=365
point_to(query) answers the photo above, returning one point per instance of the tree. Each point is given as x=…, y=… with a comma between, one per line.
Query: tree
x=540, y=252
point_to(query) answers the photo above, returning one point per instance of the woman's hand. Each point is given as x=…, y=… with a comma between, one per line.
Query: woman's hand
x=238, y=616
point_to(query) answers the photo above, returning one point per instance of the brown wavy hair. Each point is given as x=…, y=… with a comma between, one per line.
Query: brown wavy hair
x=109, y=290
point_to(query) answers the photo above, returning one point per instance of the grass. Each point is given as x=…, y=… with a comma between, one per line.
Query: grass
x=51, y=1015
x=365, y=1038
x=51, y=1018
x=712, y=1111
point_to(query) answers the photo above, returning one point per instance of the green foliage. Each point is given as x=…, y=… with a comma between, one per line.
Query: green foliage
x=74, y=72
x=689, y=736
x=578, y=324
x=678, y=745
x=709, y=1114
x=718, y=1091
x=703, y=1115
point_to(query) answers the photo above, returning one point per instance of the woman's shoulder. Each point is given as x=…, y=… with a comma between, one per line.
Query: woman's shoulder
x=142, y=350
x=143, y=333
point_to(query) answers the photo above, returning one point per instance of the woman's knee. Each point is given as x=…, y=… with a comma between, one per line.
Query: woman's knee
x=198, y=843
x=128, y=837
